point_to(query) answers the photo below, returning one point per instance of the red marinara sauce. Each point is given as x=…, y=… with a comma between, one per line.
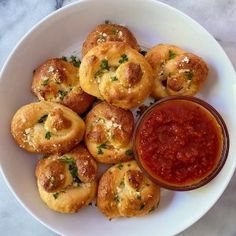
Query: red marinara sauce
x=179, y=143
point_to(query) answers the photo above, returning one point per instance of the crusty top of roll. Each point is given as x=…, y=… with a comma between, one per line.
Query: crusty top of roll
x=109, y=33
x=47, y=127
x=177, y=72
x=57, y=80
x=115, y=72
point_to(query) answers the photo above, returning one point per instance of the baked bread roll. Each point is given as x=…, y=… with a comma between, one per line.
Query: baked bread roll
x=47, y=127
x=107, y=33
x=109, y=132
x=67, y=183
x=176, y=72
x=123, y=190
x=57, y=80
x=116, y=73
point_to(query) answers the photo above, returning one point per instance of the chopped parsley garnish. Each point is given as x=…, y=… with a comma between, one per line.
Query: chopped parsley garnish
x=43, y=118
x=115, y=31
x=141, y=206
x=138, y=196
x=107, y=22
x=72, y=168
x=189, y=75
x=100, y=147
x=120, y=165
x=104, y=64
x=75, y=61
x=48, y=135
x=129, y=152
x=98, y=73
x=116, y=198
x=62, y=94
x=45, y=82
x=143, y=52
x=114, y=78
x=101, y=38
x=123, y=58
x=64, y=58
x=129, y=165
x=172, y=54
x=55, y=195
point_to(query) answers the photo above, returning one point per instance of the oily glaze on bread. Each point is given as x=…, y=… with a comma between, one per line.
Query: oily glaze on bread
x=116, y=73
x=109, y=33
x=177, y=72
x=67, y=183
x=47, y=128
x=123, y=190
x=57, y=80
x=109, y=132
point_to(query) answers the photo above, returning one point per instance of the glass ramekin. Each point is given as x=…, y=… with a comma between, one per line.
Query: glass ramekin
x=222, y=158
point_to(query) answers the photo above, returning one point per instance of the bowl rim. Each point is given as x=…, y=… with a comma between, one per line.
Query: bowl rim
x=57, y=13
x=225, y=146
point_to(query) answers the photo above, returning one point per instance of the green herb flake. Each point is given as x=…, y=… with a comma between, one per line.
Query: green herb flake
x=75, y=61
x=189, y=75
x=48, y=135
x=172, y=54
x=104, y=64
x=45, y=82
x=98, y=73
x=115, y=31
x=43, y=118
x=141, y=206
x=120, y=166
x=101, y=38
x=128, y=165
x=123, y=58
x=64, y=58
x=100, y=147
x=107, y=22
x=55, y=195
x=116, y=198
x=114, y=78
x=72, y=168
x=62, y=94
x=129, y=152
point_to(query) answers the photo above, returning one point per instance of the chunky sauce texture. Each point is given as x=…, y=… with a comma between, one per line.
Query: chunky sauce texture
x=179, y=142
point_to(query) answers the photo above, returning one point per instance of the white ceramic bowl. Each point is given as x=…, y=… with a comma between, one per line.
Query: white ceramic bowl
x=63, y=32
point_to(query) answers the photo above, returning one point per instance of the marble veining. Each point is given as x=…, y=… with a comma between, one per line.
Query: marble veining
x=217, y=16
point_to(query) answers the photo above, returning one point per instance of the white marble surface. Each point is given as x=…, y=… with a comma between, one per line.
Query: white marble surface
x=217, y=16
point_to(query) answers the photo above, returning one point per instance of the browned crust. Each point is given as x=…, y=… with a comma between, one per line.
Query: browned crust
x=123, y=190
x=109, y=33
x=57, y=80
x=177, y=72
x=56, y=134
x=57, y=186
x=87, y=166
x=109, y=132
x=127, y=81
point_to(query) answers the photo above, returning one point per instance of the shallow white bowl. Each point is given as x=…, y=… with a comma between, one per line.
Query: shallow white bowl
x=62, y=33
